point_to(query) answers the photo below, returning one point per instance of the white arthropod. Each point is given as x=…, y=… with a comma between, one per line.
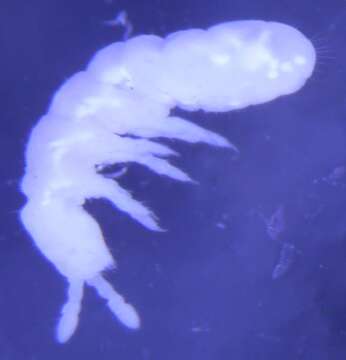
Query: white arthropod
x=115, y=112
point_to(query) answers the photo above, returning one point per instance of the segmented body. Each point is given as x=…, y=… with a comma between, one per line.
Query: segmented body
x=117, y=110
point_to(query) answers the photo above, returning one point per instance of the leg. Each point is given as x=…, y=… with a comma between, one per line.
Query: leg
x=125, y=313
x=69, y=319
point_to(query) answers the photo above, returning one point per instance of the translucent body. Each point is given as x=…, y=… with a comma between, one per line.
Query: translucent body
x=129, y=88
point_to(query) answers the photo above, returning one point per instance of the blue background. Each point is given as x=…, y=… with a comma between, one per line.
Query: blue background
x=203, y=291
